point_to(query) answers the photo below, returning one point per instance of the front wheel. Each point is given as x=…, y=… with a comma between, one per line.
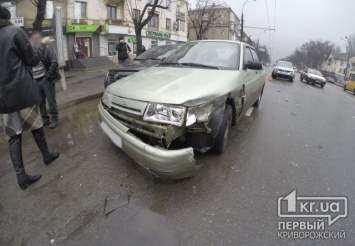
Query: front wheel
x=221, y=140
x=307, y=80
x=322, y=86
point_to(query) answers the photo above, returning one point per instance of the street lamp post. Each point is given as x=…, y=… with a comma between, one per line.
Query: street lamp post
x=242, y=21
x=348, y=61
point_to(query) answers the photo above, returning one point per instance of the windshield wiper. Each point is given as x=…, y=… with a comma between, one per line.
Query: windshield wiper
x=191, y=64
x=171, y=64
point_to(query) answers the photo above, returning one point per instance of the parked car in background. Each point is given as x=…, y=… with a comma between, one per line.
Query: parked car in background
x=150, y=58
x=313, y=76
x=188, y=103
x=350, y=83
x=330, y=79
x=283, y=69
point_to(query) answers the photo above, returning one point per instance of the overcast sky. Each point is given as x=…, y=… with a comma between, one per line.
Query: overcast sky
x=297, y=21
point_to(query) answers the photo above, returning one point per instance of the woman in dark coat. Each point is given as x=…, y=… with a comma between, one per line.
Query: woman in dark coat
x=19, y=110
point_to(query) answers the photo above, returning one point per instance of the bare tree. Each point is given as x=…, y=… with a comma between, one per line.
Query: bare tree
x=140, y=19
x=41, y=11
x=202, y=16
x=350, y=45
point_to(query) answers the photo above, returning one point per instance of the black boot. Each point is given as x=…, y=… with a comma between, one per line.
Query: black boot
x=41, y=142
x=15, y=146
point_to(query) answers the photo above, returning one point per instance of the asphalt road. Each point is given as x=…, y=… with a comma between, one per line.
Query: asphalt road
x=302, y=138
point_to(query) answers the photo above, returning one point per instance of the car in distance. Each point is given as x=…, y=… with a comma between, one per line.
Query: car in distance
x=313, y=76
x=330, y=79
x=283, y=69
x=150, y=58
x=350, y=83
x=161, y=115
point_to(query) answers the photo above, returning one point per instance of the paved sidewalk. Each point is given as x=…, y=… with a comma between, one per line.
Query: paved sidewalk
x=81, y=86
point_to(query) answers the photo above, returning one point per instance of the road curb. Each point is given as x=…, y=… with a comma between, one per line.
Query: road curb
x=79, y=100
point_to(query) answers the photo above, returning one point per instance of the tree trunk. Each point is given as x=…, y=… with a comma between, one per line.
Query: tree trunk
x=139, y=41
x=41, y=11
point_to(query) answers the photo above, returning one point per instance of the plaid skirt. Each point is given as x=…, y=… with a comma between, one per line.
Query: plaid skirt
x=27, y=119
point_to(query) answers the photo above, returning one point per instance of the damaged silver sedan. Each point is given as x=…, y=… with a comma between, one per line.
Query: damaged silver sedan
x=162, y=115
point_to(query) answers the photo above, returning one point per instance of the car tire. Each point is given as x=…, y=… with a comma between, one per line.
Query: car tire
x=322, y=86
x=301, y=79
x=307, y=80
x=221, y=140
x=354, y=92
x=291, y=79
x=273, y=76
x=344, y=87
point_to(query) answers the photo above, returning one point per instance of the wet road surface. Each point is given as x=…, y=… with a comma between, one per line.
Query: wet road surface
x=302, y=138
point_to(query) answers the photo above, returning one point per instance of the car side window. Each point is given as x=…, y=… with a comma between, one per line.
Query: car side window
x=255, y=56
x=247, y=55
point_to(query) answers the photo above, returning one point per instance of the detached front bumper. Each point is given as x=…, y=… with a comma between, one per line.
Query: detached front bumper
x=166, y=164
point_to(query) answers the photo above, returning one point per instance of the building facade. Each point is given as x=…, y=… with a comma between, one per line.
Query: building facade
x=98, y=24
x=225, y=24
x=335, y=63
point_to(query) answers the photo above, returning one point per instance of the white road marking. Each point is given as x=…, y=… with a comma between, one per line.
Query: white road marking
x=249, y=112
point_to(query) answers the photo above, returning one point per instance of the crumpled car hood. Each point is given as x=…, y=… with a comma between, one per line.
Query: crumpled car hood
x=175, y=85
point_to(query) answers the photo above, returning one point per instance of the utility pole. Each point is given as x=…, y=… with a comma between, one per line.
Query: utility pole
x=59, y=43
x=242, y=21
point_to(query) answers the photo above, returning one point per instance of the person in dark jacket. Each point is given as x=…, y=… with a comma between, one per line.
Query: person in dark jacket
x=19, y=95
x=46, y=74
x=123, y=51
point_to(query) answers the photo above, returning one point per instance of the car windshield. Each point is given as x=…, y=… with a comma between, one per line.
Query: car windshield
x=315, y=72
x=284, y=64
x=158, y=53
x=221, y=55
x=352, y=76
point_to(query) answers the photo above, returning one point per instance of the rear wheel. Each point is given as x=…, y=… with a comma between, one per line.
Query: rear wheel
x=221, y=141
x=257, y=103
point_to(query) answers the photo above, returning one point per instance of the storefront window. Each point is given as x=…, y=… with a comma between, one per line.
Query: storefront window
x=154, y=43
x=112, y=46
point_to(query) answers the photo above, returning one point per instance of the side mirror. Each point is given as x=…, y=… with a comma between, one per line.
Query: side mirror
x=252, y=65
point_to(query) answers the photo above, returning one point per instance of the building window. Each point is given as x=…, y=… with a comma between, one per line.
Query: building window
x=168, y=24
x=49, y=10
x=11, y=6
x=222, y=33
x=213, y=32
x=111, y=13
x=136, y=14
x=154, y=43
x=181, y=25
x=80, y=10
x=154, y=22
x=168, y=3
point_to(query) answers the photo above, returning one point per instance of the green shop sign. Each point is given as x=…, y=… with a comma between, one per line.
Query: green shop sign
x=157, y=34
x=132, y=40
x=83, y=28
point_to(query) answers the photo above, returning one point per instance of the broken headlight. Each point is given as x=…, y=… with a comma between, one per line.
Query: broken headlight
x=168, y=114
x=107, y=99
